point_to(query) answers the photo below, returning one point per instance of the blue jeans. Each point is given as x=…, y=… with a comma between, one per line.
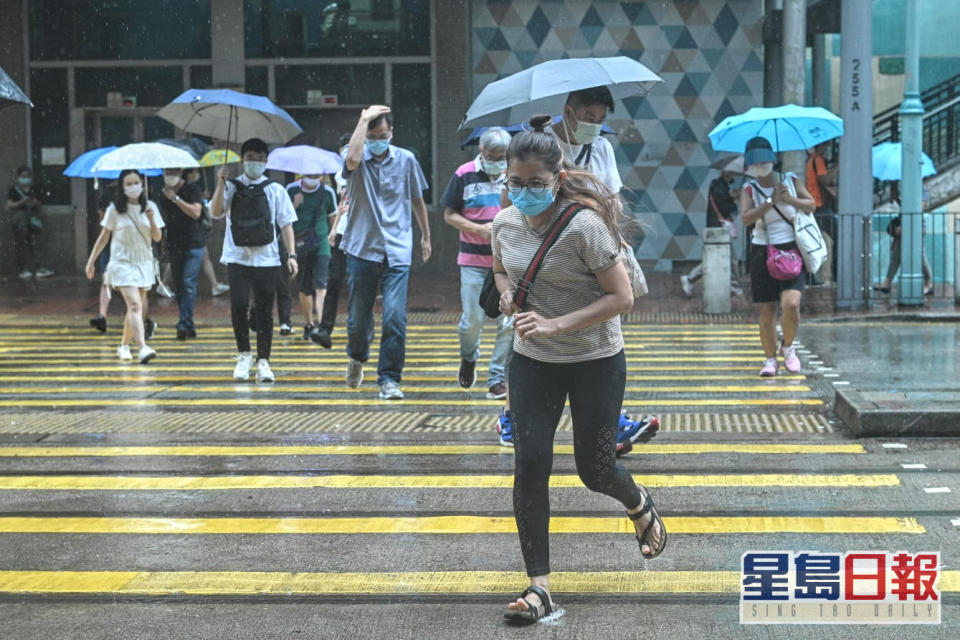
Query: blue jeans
x=471, y=325
x=185, y=266
x=363, y=279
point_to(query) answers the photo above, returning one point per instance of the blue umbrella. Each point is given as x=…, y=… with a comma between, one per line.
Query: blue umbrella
x=888, y=158
x=82, y=166
x=474, y=137
x=543, y=88
x=787, y=128
x=230, y=115
x=10, y=93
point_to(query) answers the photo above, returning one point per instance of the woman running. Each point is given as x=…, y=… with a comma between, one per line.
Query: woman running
x=567, y=344
x=131, y=225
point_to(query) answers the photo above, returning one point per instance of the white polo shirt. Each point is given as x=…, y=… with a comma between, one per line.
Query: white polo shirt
x=282, y=212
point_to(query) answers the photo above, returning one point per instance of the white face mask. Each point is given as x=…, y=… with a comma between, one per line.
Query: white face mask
x=587, y=132
x=171, y=181
x=760, y=170
x=309, y=184
x=133, y=190
x=493, y=169
x=254, y=169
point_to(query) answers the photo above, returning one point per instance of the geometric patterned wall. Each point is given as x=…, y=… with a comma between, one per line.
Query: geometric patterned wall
x=709, y=54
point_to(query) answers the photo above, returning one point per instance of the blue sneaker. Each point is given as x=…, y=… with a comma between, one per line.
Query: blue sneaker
x=505, y=428
x=630, y=431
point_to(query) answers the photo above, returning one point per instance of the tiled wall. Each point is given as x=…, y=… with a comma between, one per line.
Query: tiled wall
x=709, y=54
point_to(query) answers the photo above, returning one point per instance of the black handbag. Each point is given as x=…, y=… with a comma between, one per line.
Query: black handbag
x=490, y=296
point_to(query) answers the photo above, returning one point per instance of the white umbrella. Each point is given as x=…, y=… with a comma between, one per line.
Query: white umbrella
x=145, y=155
x=543, y=88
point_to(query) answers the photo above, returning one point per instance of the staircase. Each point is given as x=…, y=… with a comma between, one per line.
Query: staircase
x=941, y=139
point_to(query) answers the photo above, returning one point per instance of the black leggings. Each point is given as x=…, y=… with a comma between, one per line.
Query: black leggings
x=538, y=391
x=263, y=282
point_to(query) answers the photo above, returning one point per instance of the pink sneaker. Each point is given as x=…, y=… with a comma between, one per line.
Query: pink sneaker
x=770, y=368
x=790, y=360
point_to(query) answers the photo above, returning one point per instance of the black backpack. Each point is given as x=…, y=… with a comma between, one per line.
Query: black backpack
x=251, y=222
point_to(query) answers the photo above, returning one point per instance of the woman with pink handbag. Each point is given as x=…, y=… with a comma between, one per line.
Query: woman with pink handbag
x=770, y=201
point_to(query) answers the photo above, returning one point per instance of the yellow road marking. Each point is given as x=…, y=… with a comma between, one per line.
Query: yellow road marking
x=336, y=360
x=365, y=402
x=451, y=525
x=293, y=388
x=226, y=367
x=253, y=583
x=217, y=483
x=408, y=450
x=146, y=376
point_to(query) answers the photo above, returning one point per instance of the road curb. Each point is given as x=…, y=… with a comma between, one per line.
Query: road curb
x=900, y=414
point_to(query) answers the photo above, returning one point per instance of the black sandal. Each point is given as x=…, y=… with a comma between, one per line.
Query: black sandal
x=534, y=613
x=654, y=519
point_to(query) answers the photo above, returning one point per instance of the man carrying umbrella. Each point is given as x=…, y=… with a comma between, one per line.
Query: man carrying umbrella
x=385, y=186
x=254, y=207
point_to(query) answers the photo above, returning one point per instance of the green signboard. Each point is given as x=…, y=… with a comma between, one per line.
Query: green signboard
x=892, y=66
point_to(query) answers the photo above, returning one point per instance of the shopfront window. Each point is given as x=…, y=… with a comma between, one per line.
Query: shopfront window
x=412, y=113
x=336, y=28
x=149, y=86
x=119, y=29
x=360, y=84
x=50, y=124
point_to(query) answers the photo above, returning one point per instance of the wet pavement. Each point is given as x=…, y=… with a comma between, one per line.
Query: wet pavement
x=168, y=501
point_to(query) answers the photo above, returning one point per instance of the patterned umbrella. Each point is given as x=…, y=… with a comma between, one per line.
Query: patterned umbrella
x=10, y=93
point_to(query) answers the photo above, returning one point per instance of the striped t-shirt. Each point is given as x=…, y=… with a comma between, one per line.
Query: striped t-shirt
x=476, y=196
x=565, y=283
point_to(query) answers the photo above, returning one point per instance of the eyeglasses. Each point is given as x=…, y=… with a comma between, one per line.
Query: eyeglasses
x=535, y=187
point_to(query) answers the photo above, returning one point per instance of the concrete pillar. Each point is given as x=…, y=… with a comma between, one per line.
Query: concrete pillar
x=716, y=270
x=773, y=54
x=855, y=172
x=794, y=68
x=820, y=82
x=226, y=44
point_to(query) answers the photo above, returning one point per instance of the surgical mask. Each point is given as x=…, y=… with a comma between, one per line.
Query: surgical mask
x=493, y=168
x=530, y=203
x=760, y=170
x=133, y=190
x=587, y=132
x=25, y=181
x=378, y=146
x=309, y=184
x=171, y=181
x=254, y=169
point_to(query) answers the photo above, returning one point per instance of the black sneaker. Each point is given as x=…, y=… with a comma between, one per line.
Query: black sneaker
x=307, y=328
x=320, y=337
x=99, y=323
x=186, y=334
x=285, y=329
x=468, y=374
x=149, y=327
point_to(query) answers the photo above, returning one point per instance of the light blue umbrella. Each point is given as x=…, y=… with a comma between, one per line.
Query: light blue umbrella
x=543, y=88
x=888, y=158
x=230, y=115
x=82, y=166
x=474, y=137
x=787, y=128
x=304, y=159
x=10, y=93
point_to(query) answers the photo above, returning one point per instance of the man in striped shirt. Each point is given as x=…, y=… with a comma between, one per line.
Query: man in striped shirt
x=471, y=201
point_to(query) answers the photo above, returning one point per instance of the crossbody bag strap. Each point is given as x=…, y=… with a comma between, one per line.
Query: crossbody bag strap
x=523, y=286
x=756, y=189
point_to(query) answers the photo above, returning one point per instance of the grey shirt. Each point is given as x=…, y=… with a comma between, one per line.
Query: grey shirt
x=381, y=215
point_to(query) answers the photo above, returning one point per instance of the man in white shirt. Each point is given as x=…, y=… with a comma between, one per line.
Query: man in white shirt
x=251, y=253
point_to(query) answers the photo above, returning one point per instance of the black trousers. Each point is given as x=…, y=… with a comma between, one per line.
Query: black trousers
x=262, y=281
x=336, y=280
x=538, y=392
x=284, y=299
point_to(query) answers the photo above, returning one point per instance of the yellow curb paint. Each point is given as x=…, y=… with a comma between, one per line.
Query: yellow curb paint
x=53, y=403
x=450, y=525
x=221, y=483
x=410, y=450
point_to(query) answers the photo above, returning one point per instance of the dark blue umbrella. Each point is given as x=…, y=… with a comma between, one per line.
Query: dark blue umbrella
x=474, y=137
x=10, y=93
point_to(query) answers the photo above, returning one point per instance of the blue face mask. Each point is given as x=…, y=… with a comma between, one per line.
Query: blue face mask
x=378, y=147
x=529, y=203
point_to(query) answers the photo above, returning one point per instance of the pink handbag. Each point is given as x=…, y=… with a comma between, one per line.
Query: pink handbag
x=783, y=264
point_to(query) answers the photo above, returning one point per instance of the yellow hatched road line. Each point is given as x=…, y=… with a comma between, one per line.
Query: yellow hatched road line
x=226, y=483
x=281, y=360
x=146, y=376
x=408, y=450
x=452, y=525
x=226, y=367
x=632, y=340
x=301, y=388
x=370, y=402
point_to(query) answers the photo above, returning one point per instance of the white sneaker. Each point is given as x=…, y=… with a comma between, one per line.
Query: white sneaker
x=123, y=352
x=146, y=354
x=264, y=374
x=43, y=272
x=219, y=289
x=26, y=275
x=285, y=329
x=390, y=390
x=354, y=373
x=242, y=370
x=164, y=290
x=686, y=285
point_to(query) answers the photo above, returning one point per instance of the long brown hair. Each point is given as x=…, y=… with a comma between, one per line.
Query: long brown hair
x=580, y=186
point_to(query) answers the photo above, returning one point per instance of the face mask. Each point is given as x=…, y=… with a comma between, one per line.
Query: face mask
x=378, y=147
x=171, y=181
x=760, y=170
x=25, y=182
x=133, y=190
x=254, y=169
x=587, y=132
x=493, y=168
x=531, y=204
x=309, y=184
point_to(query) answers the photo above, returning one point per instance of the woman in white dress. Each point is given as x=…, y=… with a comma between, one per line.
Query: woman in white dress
x=131, y=225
